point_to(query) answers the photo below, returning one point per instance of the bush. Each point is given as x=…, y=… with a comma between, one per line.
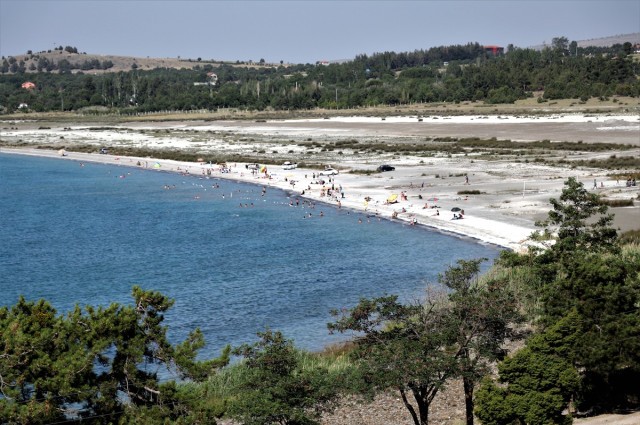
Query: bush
x=538, y=384
x=617, y=202
x=630, y=237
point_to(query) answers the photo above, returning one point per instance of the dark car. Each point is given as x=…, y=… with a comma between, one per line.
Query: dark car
x=385, y=167
x=104, y=150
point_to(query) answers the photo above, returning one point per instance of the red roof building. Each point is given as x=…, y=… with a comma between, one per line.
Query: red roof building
x=28, y=85
x=494, y=50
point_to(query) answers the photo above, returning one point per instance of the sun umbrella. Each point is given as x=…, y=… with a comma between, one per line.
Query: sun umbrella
x=393, y=198
x=456, y=209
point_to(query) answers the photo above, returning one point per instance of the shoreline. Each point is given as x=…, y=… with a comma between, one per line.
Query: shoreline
x=502, y=192
x=356, y=189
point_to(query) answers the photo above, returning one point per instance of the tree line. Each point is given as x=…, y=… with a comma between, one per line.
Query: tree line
x=574, y=300
x=443, y=74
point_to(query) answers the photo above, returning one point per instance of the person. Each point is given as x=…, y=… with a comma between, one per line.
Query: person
x=466, y=179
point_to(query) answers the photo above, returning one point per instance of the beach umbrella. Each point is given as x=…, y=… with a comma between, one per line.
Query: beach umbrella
x=393, y=198
x=456, y=209
x=156, y=165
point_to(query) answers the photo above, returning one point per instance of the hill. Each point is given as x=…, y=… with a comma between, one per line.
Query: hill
x=98, y=64
x=633, y=38
x=126, y=63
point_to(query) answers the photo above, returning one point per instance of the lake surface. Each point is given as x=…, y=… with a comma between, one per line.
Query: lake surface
x=234, y=259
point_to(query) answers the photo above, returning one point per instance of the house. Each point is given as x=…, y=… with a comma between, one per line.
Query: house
x=28, y=85
x=494, y=50
x=212, y=80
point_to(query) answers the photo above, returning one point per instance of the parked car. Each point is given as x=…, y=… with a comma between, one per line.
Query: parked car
x=385, y=167
x=288, y=165
x=104, y=150
x=254, y=166
x=328, y=172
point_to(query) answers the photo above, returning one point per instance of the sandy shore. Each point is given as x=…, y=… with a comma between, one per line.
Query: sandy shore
x=503, y=214
x=501, y=198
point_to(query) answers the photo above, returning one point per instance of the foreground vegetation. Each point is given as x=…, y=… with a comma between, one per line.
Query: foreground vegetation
x=575, y=302
x=440, y=74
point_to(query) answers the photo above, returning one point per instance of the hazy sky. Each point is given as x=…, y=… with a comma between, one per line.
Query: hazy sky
x=300, y=31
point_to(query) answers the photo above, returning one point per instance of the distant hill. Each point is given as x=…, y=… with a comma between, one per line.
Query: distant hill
x=633, y=38
x=118, y=63
x=126, y=63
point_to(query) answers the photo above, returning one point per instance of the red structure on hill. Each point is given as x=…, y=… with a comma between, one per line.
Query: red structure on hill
x=494, y=50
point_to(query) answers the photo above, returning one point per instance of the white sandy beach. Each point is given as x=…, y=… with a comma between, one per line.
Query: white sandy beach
x=513, y=195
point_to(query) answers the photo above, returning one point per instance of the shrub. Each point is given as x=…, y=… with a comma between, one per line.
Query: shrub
x=617, y=202
x=630, y=237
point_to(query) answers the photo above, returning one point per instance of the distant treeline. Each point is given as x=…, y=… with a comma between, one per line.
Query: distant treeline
x=440, y=74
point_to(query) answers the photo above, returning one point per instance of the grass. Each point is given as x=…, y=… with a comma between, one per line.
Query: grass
x=616, y=202
x=611, y=163
x=631, y=237
x=470, y=192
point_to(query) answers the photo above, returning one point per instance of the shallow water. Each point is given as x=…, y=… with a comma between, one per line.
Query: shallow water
x=234, y=260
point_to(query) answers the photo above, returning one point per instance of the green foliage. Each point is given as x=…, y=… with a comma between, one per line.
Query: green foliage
x=536, y=384
x=417, y=348
x=588, y=286
x=401, y=347
x=580, y=221
x=384, y=78
x=481, y=318
x=91, y=364
x=630, y=237
x=274, y=388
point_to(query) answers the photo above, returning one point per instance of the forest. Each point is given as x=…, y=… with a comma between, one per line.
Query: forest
x=560, y=322
x=440, y=74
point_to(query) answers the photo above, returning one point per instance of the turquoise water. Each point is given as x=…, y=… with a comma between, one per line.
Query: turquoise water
x=84, y=234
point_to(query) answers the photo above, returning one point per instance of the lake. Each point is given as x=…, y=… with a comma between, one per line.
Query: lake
x=234, y=258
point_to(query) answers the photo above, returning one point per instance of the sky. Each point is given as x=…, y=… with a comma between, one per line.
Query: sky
x=300, y=31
